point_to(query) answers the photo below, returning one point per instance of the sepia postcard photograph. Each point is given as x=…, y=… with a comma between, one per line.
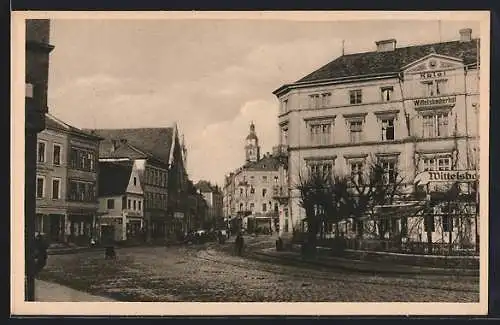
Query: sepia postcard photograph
x=250, y=163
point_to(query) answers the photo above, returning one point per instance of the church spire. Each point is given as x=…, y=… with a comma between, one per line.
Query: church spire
x=252, y=149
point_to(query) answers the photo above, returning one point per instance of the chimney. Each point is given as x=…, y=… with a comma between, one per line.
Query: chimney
x=386, y=45
x=465, y=35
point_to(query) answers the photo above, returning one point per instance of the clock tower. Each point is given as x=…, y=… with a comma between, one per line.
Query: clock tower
x=252, y=149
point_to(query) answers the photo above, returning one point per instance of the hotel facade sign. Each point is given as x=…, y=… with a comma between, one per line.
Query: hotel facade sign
x=449, y=176
x=428, y=102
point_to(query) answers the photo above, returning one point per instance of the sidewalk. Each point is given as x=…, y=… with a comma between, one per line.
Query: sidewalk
x=361, y=266
x=53, y=292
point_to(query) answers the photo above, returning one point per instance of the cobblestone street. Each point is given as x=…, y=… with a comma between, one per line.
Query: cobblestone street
x=209, y=273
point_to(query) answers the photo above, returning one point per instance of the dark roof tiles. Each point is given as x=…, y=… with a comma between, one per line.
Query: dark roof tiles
x=370, y=63
x=113, y=178
x=154, y=142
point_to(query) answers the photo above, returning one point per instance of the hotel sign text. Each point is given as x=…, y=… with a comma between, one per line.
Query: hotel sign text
x=449, y=100
x=432, y=74
x=461, y=176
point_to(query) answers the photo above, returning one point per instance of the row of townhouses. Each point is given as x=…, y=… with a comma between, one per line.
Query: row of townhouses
x=113, y=183
x=411, y=108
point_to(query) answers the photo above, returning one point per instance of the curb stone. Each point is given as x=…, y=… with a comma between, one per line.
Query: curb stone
x=373, y=268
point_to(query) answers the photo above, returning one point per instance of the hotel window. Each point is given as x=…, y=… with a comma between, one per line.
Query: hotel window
x=314, y=101
x=264, y=207
x=325, y=99
x=252, y=190
x=387, y=129
x=435, y=125
x=135, y=181
x=436, y=163
x=276, y=179
x=356, y=129
x=56, y=155
x=139, y=207
x=264, y=192
x=29, y=91
x=321, y=133
x=241, y=191
x=40, y=183
x=355, y=97
x=41, y=152
x=111, y=204
x=135, y=202
x=252, y=206
x=264, y=178
x=56, y=189
x=434, y=87
x=356, y=172
x=389, y=167
x=386, y=94
x=321, y=169
x=241, y=206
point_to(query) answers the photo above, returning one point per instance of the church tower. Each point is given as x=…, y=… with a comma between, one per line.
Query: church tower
x=252, y=149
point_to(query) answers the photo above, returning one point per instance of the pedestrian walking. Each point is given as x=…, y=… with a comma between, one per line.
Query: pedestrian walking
x=40, y=254
x=239, y=242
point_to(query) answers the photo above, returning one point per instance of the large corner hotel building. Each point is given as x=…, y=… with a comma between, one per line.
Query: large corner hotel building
x=416, y=108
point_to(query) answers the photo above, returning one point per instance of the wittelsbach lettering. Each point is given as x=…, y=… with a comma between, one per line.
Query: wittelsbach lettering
x=452, y=176
x=434, y=101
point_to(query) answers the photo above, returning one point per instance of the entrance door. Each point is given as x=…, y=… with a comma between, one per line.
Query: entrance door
x=56, y=227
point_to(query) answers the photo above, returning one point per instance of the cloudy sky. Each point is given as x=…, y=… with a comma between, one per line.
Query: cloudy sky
x=212, y=77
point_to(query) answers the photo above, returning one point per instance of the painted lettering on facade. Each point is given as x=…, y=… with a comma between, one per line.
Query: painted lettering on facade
x=432, y=74
x=451, y=100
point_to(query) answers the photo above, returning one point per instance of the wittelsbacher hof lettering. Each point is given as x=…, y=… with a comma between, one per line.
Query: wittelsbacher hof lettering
x=448, y=176
x=432, y=74
x=452, y=175
x=450, y=100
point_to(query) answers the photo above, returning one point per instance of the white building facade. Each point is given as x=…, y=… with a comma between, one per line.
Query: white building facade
x=413, y=109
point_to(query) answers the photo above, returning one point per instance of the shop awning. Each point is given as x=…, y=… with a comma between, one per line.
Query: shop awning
x=399, y=210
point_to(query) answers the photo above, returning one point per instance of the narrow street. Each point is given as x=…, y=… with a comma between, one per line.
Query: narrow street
x=211, y=273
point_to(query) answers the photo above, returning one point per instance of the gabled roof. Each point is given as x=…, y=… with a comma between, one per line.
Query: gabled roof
x=114, y=178
x=154, y=142
x=267, y=163
x=388, y=62
x=53, y=123
x=121, y=150
x=206, y=187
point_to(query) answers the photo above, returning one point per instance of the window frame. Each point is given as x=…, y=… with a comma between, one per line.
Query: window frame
x=59, y=191
x=108, y=201
x=355, y=96
x=54, y=145
x=389, y=90
x=38, y=177
x=39, y=142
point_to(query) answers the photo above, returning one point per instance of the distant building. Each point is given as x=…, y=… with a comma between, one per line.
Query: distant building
x=412, y=109
x=250, y=190
x=214, y=199
x=159, y=156
x=66, y=182
x=121, y=200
